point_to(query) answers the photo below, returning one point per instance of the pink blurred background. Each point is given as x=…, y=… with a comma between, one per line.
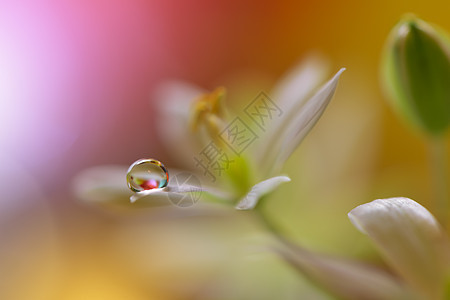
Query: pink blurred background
x=76, y=79
x=77, y=75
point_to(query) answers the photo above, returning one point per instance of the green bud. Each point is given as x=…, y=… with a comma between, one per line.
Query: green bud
x=416, y=74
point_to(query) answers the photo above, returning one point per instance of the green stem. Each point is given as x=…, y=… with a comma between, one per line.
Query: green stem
x=267, y=222
x=271, y=227
x=300, y=259
x=438, y=161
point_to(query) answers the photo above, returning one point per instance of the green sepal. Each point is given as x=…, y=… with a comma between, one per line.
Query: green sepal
x=416, y=74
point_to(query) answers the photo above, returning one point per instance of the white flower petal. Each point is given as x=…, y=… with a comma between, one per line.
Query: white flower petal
x=102, y=184
x=300, y=82
x=174, y=100
x=171, y=193
x=260, y=189
x=106, y=185
x=410, y=239
x=344, y=278
x=176, y=96
x=296, y=125
x=290, y=94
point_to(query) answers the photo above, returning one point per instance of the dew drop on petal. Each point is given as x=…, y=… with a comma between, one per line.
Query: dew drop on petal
x=147, y=174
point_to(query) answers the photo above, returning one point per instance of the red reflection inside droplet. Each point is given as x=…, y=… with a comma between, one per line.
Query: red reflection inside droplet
x=149, y=184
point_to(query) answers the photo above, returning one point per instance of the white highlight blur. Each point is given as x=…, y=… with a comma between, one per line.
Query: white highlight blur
x=35, y=69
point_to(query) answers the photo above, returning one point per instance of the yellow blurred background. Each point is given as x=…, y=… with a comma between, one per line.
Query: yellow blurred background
x=76, y=82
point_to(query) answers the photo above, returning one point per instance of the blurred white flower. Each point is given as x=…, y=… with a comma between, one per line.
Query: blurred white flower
x=189, y=119
x=408, y=237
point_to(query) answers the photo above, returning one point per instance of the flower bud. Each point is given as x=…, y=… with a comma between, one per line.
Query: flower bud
x=416, y=74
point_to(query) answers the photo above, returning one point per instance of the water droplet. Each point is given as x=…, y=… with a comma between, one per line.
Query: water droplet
x=147, y=174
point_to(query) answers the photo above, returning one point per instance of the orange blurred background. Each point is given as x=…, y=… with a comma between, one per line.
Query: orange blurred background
x=76, y=80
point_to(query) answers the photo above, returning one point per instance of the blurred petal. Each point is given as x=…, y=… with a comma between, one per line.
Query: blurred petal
x=295, y=125
x=300, y=82
x=102, y=183
x=173, y=192
x=343, y=278
x=175, y=97
x=106, y=185
x=260, y=189
x=409, y=237
x=174, y=100
x=291, y=93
